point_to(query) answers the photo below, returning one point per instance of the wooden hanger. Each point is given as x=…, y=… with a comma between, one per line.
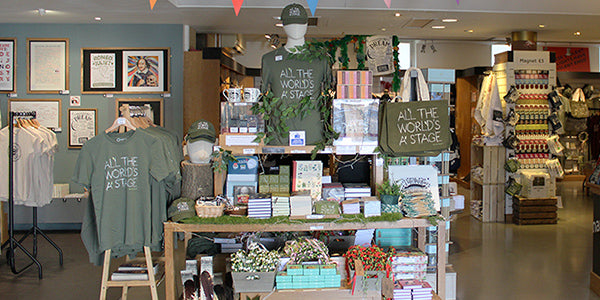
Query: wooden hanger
x=118, y=123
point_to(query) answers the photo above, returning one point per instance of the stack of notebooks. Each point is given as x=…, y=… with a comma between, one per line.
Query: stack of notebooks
x=333, y=191
x=133, y=271
x=281, y=206
x=409, y=264
x=259, y=206
x=412, y=290
x=351, y=207
x=356, y=190
x=301, y=204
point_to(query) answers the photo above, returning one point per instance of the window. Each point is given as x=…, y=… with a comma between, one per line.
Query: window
x=404, y=55
x=498, y=48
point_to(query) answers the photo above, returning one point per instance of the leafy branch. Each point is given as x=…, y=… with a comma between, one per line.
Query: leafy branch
x=221, y=159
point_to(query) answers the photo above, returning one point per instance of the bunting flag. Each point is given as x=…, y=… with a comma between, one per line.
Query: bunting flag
x=152, y=2
x=389, y=2
x=312, y=4
x=237, y=4
x=457, y=2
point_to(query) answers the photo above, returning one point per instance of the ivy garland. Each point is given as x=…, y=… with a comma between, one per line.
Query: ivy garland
x=361, y=57
x=396, y=77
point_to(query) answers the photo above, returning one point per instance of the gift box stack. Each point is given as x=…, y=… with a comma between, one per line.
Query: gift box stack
x=281, y=206
x=308, y=277
x=412, y=290
x=275, y=183
x=259, y=206
x=409, y=264
x=301, y=204
x=354, y=84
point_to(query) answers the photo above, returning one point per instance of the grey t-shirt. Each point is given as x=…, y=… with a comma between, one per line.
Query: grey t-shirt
x=291, y=80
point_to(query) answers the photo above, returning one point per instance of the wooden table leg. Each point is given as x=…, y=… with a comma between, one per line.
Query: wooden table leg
x=169, y=263
x=441, y=259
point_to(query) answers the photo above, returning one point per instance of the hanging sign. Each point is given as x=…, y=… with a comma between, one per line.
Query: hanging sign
x=312, y=4
x=380, y=55
x=152, y=2
x=570, y=59
x=237, y=4
x=388, y=3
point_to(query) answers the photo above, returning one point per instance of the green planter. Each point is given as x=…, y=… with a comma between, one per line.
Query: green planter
x=389, y=199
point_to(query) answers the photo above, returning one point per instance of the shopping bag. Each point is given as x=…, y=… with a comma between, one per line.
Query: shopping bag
x=415, y=128
x=579, y=108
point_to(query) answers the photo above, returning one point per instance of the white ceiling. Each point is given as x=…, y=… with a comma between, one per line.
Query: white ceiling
x=489, y=20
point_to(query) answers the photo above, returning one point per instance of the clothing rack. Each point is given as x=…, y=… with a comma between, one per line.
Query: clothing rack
x=12, y=242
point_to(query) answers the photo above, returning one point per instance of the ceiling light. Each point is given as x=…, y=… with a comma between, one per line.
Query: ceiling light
x=279, y=24
x=470, y=30
x=541, y=26
x=577, y=33
x=397, y=14
x=449, y=20
x=383, y=29
x=41, y=11
x=98, y=18
x=438, y=26
x=267, y=36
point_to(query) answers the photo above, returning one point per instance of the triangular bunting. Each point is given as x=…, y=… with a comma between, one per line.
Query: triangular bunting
x=312, y=4
x=457, y=2
x=237, y=4
x=152, y=2
x=389, y=3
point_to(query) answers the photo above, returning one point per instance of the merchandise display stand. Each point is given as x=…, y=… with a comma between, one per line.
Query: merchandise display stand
x=487, y=191
x=595, y=274
x=126, y=284
x=188, y=229
x=12, y=242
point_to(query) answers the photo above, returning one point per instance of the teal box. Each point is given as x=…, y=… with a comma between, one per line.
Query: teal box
x=394, y=242
x=398, y=237
x=285, y=286
x=328, y=270
x=311, y=270
x=395, y=232
x=283, y=277
x=299, y=279
x=294, y=270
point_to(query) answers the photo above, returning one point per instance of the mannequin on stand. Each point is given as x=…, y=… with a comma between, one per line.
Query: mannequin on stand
x=197, y=173
x=290, y=79
x=200, y=140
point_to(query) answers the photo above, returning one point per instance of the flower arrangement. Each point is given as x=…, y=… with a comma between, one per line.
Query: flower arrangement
x=373, y=258
x=302, y=250
x=256, y=259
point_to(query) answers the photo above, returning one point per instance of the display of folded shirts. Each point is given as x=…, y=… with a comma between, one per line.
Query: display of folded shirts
x=354, y=77
x=354, y=91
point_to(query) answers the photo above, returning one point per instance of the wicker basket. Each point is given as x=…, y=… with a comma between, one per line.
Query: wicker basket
x=209, y=211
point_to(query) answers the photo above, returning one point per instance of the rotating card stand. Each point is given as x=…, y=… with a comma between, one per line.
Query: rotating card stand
x=12, y=242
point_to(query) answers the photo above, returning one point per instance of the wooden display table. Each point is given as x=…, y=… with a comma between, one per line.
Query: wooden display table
x=188, y=229
x=595, y=274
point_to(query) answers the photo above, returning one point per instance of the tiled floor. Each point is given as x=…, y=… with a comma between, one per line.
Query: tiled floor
x=492, y=261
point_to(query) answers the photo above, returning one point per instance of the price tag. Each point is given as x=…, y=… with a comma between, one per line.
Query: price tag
x=316, y=227
x=327, y=150
x=359, y=269
x=345, y=149
x=121, y=121
x=314, y=217
x=298, y=151
x=249, y=151
x=366, y=149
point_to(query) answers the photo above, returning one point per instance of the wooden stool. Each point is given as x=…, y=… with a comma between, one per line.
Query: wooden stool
x=125, y=284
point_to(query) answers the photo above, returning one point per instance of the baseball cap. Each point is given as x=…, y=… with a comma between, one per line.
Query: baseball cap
x=182, y=208
x=201, y=130
x=294, y=14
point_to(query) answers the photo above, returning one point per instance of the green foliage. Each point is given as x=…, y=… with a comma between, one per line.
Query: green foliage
x=396, y=77
x=385, y=217
x=434, y=219
x=389, y=188
x=221, y=159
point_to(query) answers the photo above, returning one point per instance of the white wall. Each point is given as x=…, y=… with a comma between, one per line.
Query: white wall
x=255, y=49
x=453, y=55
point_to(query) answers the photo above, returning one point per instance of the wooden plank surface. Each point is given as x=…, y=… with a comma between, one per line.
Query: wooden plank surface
x=534, y=221
x=595, y=283
x=535, y=215
x=535, y=208
x=534, y=201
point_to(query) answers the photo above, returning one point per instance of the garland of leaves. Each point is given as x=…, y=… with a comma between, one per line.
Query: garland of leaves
x=396, y=77
x=361, y=57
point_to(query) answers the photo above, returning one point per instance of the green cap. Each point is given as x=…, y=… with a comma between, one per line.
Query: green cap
x=294, y=14
x=182, y=208
x=201, y=130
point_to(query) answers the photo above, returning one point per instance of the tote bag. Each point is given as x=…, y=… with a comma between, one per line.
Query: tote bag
x=415, y=128
x=578, y=107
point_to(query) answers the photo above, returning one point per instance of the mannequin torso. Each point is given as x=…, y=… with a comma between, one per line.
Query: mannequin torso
x=199, y=151
x=295, y=36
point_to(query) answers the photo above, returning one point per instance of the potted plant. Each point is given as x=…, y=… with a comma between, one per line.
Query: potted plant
x=375, y=262
x=389, y=192
x=253, y=270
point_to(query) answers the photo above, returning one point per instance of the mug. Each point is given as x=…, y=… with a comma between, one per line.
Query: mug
x=252, y=95
x=233, y=94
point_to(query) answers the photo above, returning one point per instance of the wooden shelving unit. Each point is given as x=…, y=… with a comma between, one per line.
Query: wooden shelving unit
x=489, y=189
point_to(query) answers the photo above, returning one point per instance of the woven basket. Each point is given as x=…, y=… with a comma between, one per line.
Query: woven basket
x=209, y=211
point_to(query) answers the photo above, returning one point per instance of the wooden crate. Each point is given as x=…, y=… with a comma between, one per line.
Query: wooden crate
x=493, y=164
x=493, y=203
x=531, y=211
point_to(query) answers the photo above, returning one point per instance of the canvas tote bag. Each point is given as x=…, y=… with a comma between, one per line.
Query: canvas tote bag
x=414, y=128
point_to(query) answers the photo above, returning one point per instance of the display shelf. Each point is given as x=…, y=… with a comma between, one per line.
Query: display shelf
x=338, y=294
x=171, y=228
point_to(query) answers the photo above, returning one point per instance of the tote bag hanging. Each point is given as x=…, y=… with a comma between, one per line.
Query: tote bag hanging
x=415, y=128
x=578, y=107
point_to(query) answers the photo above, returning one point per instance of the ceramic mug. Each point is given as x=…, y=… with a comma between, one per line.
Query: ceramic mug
x=252, y=95
x=233, y=94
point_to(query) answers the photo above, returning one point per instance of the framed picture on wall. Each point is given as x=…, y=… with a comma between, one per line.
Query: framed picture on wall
x=151, y=108
x=48, y=111
x=47, y=65
x=83, y=125
x=8, y=56
x=125, y=70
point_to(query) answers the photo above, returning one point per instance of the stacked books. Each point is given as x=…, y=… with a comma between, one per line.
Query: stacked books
x=281, y=206
x=259, y=206
x=412, y=290
x=409, y=264
x=356, y=190
x=301, y=204
x=333, y=192
x=133, y=271
x=351, y=207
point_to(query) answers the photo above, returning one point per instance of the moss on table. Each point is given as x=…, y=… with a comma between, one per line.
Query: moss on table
x=385, y=217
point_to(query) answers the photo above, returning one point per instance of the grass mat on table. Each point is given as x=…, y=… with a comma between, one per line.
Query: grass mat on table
x=386, y=217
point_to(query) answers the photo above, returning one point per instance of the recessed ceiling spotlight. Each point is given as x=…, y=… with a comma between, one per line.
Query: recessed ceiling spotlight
x=279, y=24
x=41, y=11
x=578, y=33
x=397, y=14
x=438, y=26
x=541, y=26
x=383, y=29
x=449, y=20
x=98, y=19
x=470, y=30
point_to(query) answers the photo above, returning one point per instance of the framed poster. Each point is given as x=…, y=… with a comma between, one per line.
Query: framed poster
x=48, y=111
x=152, y=108
x=83, y=125
x=8, y=56
x=47, y=65
x=125, y=70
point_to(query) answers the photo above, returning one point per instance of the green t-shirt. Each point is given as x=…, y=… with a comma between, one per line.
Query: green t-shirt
x=291, y=80
x=117, y=169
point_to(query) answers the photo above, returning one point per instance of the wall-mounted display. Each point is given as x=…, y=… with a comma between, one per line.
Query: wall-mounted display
x=130, y=70
x=47, y=65
x=8, y=56
x=82, y=126
x=48, y=111
x=152, y=108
